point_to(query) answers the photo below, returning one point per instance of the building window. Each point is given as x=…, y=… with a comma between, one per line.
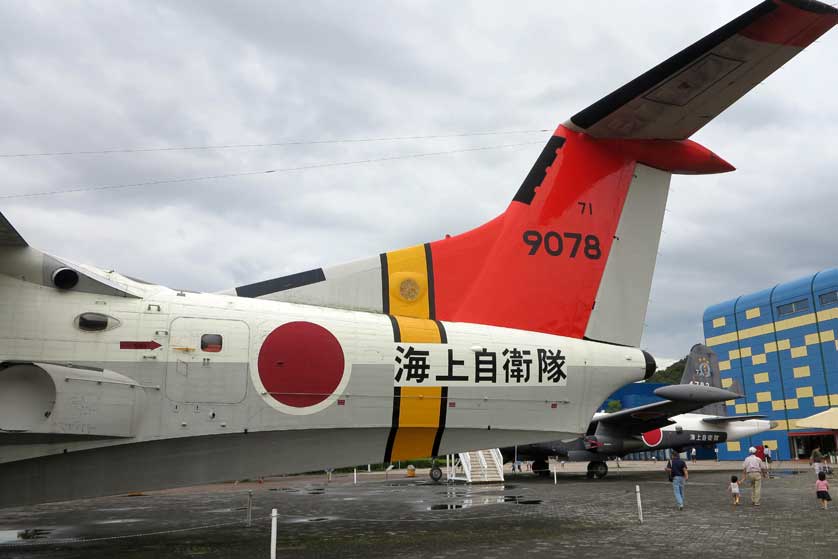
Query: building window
x=794, y=307
x=211, y=343
x=828, y=299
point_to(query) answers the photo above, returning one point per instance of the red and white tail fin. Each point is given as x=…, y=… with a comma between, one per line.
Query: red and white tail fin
x=573, y=254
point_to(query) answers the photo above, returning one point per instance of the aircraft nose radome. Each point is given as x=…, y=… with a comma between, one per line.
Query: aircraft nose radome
x=773, y=424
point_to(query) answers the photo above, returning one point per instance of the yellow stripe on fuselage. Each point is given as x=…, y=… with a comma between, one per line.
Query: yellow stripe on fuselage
x=408, y=288
x=420, y=408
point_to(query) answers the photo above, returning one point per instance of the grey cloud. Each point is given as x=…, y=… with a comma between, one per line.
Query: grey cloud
x=99, y=75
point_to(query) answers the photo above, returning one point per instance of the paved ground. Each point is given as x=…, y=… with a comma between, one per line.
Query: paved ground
x=414, y=518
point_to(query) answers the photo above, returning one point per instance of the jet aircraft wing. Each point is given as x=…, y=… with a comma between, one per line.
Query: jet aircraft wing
x=680, y=398
x=680, y=95
x=729, y=418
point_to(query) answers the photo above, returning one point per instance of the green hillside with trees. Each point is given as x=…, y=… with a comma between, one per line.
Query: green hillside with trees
x=670, y=375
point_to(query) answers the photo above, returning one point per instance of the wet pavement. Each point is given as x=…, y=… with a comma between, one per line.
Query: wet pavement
x=407, y=518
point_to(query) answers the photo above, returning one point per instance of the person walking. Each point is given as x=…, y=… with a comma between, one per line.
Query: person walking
x=753, y=470
x=815, y=459
x=733, y=489
x=677, y=470
x=693, y=454
x=822, y=490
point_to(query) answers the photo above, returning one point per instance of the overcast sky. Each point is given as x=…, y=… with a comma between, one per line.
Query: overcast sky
x=77, y=76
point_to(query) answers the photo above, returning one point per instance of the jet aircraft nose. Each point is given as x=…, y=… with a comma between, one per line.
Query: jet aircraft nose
x=773, y=424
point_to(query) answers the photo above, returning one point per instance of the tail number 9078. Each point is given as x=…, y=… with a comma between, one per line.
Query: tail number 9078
x=555, y=244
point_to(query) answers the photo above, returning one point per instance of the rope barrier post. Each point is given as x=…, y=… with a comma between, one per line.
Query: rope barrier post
x=639, y=503
x=273, y=533
x=355, y=476
x=555, y=478
x=249, y=507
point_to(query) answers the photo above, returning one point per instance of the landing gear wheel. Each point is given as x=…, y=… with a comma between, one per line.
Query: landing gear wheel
x=597, y=470
x=436, y=473
x=541, y=468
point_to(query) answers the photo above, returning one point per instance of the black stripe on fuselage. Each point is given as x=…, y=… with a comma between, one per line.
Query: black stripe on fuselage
x=430, y=265
x=385, y=285
x=443, y=335
x=281, y=284
x=443, y=401
x=397, y=333
x=397, y=391
x=394, y=423
x=443, y=410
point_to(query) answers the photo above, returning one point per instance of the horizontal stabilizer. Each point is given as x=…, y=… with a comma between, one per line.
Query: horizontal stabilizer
x=729, y=418
x=680, y=95
x=680, y=398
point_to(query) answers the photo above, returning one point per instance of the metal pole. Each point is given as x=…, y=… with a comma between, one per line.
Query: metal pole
x=355, y=476
x=273, y=534
x=639, y=504
x=249, y=508
x=555, y=479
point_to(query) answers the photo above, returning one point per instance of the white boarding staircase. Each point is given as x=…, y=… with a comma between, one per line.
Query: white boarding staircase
x=477, y=466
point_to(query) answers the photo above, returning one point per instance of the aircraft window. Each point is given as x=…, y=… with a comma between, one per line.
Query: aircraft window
x=96, y=322
x=211, y=343
x=829, y=298
x=791, y=308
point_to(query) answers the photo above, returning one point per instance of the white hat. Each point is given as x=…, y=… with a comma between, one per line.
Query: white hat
x=752, y=450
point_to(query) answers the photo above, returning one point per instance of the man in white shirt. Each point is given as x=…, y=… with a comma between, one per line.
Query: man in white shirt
x=753, y=469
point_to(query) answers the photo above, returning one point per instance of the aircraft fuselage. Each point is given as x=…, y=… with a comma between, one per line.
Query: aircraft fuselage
x=186, y=388
x=688, y=430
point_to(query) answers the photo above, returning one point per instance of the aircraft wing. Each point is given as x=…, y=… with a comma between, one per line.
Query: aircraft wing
x=680, y=398
x=9, y=235
x=729, y=418
x=677, y=97
x=22, y=261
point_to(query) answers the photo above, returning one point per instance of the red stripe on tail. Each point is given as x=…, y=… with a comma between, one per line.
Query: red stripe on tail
x=538, y=266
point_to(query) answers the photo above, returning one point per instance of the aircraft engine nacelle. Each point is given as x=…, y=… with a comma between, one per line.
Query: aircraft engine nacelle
x=611, y=445
x=67, y=400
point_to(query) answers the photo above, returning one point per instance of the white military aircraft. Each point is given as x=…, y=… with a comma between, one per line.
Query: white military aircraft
x=690, y=414
x=510, y=333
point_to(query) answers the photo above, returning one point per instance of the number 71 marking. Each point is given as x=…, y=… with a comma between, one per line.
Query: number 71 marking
x=586, y=206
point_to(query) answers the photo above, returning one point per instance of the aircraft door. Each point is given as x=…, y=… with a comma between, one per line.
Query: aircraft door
x=208, y=361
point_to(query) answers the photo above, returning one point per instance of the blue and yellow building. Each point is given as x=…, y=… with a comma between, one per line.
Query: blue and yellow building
x=779, y=348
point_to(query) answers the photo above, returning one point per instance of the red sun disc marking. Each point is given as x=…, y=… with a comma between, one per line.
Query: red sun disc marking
x=653, y=437
x=301, y=364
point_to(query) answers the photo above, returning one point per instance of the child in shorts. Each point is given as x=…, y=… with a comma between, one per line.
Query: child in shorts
x=733, y=489
x=822, y=489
